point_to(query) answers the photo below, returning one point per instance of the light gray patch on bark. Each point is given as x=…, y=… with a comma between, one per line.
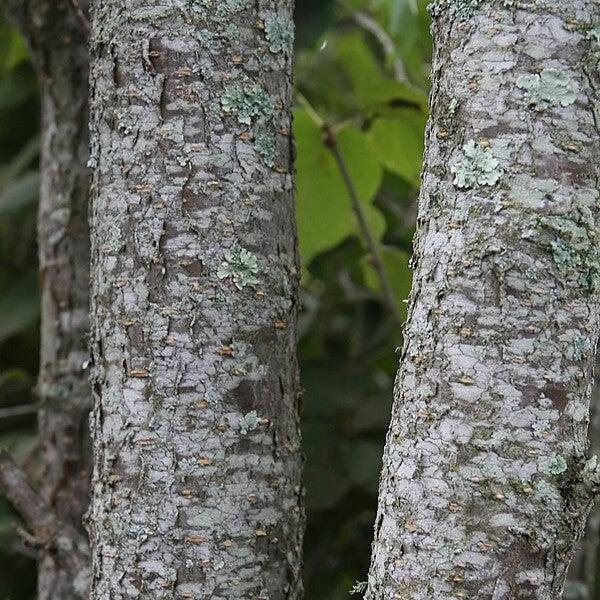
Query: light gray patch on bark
x=197, y=481
x=486, y=482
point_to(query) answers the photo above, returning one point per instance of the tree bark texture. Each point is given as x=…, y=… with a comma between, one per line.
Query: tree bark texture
x=196, y=484
x=486, y=483
x=583, y=582
x=59, y=51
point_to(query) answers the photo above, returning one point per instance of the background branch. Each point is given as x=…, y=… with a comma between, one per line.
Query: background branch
x=16, y=415
x=330, y=141
x=81, y=16
x=30, y=505
x=376, y=257
x=368, y=23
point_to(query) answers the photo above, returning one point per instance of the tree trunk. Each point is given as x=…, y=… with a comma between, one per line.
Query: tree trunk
x=486, y=486
x=58, y=41
x=196, y=485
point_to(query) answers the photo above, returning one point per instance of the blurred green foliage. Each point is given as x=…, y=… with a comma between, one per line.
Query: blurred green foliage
x=362, y=68
x=19, y=302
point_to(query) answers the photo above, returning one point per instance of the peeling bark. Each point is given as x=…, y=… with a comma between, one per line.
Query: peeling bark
x=196, y=484
x=59, y=53
x=486, y=484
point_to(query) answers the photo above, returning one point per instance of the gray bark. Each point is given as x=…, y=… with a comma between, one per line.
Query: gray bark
x=196, y=486
x=59, y=50
x=486, y=484
x=582, y=583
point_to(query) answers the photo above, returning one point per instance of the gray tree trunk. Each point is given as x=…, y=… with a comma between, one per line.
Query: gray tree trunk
x=58, y=41
x=486, y=484
x=196, y=485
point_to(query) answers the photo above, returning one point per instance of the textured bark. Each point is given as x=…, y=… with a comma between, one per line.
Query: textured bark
x=486, y=484
x=196, y=485
x=583, y=578
x=59, y=52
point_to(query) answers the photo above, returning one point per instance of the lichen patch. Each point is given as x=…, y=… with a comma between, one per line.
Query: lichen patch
x=479, y=167
x=550, y=88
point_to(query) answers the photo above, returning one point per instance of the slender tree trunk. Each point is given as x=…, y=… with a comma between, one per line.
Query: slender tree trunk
x=486, y=486
x=196, y=485
x=58, y=41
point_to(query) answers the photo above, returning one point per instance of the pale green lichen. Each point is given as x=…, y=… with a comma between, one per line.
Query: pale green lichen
x=581, y=348
x=591, y=473
x=151, y=13
x=557, y=465
x=227, y=8
x=479, y=167
x=246, y=102
x=265, y=144
x=594, y=34
x=248, y=422
x=279, y=32
x=211, y=398
x=453, y=106
x=550, y=88
x=549, y=495
x=219, y=8
x=241, y=266
x=573, y=243
x=232, y=31
x=360, y=587
x=456, y=9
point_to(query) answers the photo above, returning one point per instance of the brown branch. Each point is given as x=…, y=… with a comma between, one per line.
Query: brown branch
x=386, y=288
x=368, y=23
x=46, y=529
x=81, y=16
x=12, y=415
x=33, y=509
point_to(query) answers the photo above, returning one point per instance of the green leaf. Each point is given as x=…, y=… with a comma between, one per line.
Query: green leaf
x=19, y=306
x=400, y=142
x=325, y=215
x=21, y=161
x=369, y=82
x=344, y=78
x=13, y=50
x=18, y=52
x=20, y=193
x=16, y=87
x=395, y=262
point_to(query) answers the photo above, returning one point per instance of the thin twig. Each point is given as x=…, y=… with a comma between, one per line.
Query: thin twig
x=81, y=16
x=312, y=113
x=368, y=23
x=21, y=495
x=331, y=143
x=46, y=529
x=17, y=414
x=376, y=257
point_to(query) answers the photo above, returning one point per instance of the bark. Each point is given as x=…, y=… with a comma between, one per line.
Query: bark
x=58, y=41
x=486, y=484
x=49, y=533
x=582, y=583
x=196, y=485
